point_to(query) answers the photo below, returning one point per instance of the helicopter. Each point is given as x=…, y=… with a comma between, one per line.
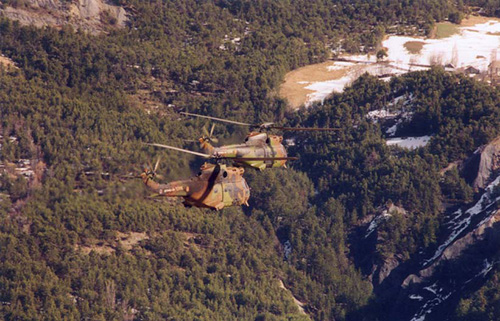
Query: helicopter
x=257, y=144
x=215, y=186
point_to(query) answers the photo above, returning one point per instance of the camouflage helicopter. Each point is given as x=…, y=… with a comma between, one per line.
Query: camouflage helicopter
x=257, y=144
x=216, y=185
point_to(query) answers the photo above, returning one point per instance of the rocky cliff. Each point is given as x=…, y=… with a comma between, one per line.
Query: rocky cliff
x=94, y=16
x=478, y=168
x=429, y=284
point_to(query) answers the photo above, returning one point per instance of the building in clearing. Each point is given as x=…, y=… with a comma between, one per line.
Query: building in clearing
x=470, y=70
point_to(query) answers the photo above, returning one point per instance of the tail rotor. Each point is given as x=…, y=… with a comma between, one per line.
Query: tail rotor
x=208, y=135
x=150, y=171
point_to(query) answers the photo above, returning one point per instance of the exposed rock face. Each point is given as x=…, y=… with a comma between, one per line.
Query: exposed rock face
x=93, y=16
x=454, y=250
x=385, y=270
x=365, y=239
x=479, y=167
x=6, y=62
x=430, y=284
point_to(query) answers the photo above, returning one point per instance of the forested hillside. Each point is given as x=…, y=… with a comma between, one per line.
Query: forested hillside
x=79, y=242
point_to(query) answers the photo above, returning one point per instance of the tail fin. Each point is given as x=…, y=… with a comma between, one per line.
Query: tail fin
x=206, y=146
x=147, y=179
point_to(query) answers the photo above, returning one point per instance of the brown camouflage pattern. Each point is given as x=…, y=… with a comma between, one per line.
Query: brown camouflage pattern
x=256, y=145
x=215, y=186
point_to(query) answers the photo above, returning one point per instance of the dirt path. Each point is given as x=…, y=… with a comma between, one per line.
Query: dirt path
x=300, y=305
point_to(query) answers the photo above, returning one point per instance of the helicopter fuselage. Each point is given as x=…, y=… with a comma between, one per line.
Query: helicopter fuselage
x=256, y=145
x=215, y=186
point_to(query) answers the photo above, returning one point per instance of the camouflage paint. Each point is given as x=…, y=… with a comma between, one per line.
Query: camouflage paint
x=256, y=145
x=215, y=186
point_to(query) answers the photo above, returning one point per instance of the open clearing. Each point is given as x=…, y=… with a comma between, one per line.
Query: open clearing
x=470, y=44
x=126, y=240
x=445, y=30
x=414, y=47
x=475, y=20
x=294, y=87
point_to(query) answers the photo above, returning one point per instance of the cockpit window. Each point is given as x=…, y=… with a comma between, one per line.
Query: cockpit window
x=256, y=139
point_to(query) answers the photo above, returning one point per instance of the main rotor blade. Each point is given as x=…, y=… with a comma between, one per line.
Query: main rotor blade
x=157, y=163
x=205, y=131
x=219, y=119
x=180, y=150
x=243, y=159
x=320, y=129
x=262, y=126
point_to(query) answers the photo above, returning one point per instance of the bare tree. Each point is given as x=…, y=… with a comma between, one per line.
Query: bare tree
x=436, y=59
x=454, y=56
x=413, y=62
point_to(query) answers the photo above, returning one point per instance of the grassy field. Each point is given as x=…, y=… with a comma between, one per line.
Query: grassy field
x=293, y=88
x=474, y=20
x=448, y=29
x=445, y=29
x=414, y=47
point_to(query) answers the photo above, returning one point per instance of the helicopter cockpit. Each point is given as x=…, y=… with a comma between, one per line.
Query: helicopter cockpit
x=255, y=138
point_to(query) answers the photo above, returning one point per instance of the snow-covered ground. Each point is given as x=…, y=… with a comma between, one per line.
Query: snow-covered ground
x=398, y=110
x=409, y=142
x=376, y=222
x=324, y=88
x=473, y=46
x=375, y=115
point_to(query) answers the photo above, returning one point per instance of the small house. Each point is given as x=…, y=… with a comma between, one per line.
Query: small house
x=470, y=70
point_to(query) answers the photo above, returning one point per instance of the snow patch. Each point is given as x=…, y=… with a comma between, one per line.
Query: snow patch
x=487, y=266
x=398, y=99
x=462, y=220
x=461, y=49
x=375, y=115
x=430, y=305
x=432, y=288
x=407, y=142
x=472, y=46
x=491, y=26
x=339, y=65
x=376, y=222
x=324, y=88
x=287, y=249
x=439, y=295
